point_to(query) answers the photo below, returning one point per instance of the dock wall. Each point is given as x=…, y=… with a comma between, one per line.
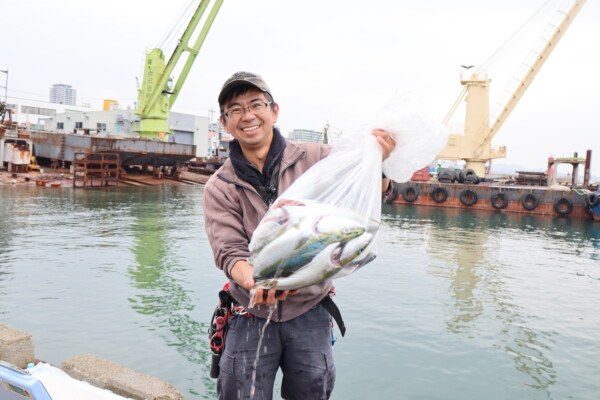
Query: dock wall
x=18, y=348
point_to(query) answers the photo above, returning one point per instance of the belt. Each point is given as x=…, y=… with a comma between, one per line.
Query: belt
x=327, y=303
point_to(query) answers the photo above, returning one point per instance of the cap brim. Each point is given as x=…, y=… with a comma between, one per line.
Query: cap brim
x=233, y=84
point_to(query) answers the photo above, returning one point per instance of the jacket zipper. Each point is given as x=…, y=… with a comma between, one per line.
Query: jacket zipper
x=279, y=302
x=278, y=179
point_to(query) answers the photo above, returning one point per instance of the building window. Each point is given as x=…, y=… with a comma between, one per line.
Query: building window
x=78, y=125
x=37, y=110
x=46, y=111
x=60, y=125
x=101, y=127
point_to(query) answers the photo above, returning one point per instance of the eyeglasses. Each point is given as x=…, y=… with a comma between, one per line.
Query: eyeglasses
x=255, y=108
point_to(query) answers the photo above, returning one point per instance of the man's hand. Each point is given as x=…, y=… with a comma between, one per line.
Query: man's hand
x=386, y=142
x=242, y=275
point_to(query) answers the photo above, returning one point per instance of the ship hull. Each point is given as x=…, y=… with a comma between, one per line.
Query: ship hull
x=515, y=199
x=63, y=147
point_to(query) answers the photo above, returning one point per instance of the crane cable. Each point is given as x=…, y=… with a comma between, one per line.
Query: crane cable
x=176, y=25
x=526, y=26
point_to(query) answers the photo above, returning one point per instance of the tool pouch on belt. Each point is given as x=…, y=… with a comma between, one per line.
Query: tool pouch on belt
x=217, y=330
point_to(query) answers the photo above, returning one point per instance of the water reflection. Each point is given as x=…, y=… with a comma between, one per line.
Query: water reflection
x=6, y=234
x=160, y=291
x=463, y=250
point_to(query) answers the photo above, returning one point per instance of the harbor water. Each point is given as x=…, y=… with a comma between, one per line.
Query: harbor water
x=457, y=305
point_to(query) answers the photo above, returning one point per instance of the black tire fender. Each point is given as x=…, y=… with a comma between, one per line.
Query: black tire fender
x=471, y=180
x=439, y=194
x=499, y=200
x=469, y=172
x=592, y=199
x=468, y=197
x=530, y=201
x=446, y=175
x=410, y=194
x=563, y=206
x=589, y=210
x=393, y=193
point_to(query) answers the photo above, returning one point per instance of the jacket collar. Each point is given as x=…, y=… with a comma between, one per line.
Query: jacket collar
x=291, y=153
x=247, y=171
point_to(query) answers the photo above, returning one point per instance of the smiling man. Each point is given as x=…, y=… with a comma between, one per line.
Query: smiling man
x=261, y=165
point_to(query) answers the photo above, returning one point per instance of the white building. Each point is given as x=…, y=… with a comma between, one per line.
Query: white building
x=305, y=135
x=32, y=113
x=63, y=94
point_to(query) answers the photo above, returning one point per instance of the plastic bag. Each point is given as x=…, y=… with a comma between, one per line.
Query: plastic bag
x=419, y=135
x=325, y=225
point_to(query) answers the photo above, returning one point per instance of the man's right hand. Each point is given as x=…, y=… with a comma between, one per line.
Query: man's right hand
x=242, y=274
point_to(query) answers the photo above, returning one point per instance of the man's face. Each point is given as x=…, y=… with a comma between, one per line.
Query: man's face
x=252, y=130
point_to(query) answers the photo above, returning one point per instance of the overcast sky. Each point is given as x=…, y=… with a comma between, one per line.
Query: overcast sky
x=326, y=61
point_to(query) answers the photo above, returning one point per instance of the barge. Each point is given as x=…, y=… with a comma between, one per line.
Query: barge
x=490, y=196
x=64, y=147
x=529, y=193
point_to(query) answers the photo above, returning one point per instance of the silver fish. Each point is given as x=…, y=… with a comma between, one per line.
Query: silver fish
x=353, y=266
x=356, y=248
x=310, y=240
x=321, y=267
x=265, y=233
x=277, y=249
x=274, y=261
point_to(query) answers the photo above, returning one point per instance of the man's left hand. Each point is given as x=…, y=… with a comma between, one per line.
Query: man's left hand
x=386, y=141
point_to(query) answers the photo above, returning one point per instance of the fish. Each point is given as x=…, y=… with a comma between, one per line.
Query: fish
x=273, y=224
x=286, y=254
x=355, y=249
x=277, y=249
x=353, y=266
x=311, y=234
x=320, y=268
x=302, y=243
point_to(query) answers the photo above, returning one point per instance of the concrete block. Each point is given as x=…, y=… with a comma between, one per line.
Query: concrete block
x=16, y=347
x=119, y=379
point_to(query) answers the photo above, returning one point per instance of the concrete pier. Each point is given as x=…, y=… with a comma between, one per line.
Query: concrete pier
x=17, y=348
x=118, y=379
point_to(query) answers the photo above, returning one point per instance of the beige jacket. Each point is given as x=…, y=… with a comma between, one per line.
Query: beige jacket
x=232, y=211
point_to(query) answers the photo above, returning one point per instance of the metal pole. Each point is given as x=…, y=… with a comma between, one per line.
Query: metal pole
x=587, y=170
x=5, y=85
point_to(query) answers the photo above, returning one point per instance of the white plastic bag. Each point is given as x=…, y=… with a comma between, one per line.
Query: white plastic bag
x=419, y=135
x=325, y=224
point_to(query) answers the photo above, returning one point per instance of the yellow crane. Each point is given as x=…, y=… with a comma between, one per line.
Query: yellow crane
x=474, y=144
x=157, y=93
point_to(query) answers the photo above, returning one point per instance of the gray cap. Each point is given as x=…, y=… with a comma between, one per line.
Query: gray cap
x=243, y=78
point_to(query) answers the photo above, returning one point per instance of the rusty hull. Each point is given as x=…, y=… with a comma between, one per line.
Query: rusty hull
x=64, y=146
x=514, y=193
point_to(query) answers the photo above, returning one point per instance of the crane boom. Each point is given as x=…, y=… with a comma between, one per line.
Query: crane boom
x=156, y=96
x=474, y=145
x=531, y=73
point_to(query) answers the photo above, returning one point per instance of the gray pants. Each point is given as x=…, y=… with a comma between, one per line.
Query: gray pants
x=301, y=347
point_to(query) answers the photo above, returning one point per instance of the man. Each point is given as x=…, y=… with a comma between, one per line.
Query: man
x=261, y=165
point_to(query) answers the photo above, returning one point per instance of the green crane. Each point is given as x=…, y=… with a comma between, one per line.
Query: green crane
x=157, y=93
